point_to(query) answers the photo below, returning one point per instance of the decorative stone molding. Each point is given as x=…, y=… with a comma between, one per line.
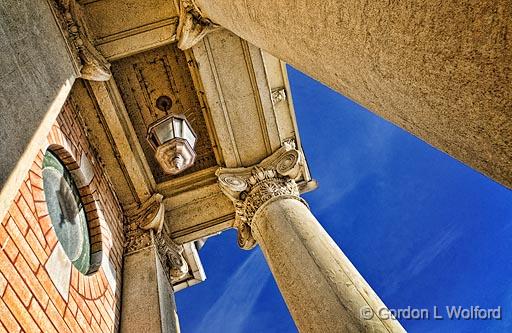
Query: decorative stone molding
x=251, y=188
x=192, y=25
x=150, y=215
x=171, y=256
x=89, y=62
x=145, y=229
x=278, y=95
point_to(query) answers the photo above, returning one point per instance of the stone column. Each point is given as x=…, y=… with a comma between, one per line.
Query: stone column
x=440, y=70
x=45, y=47
x=151, y=261
x=322, y=289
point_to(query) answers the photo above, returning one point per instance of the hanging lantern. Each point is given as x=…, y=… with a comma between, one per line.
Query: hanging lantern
x=173, y=139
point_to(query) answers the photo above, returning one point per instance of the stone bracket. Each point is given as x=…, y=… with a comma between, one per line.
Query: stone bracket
x=192, y=25
x=88, y=61
x=145, y=229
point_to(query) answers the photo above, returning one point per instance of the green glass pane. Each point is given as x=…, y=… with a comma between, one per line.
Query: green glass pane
x=66, y=211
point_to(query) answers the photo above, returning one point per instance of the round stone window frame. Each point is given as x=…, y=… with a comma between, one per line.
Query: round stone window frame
x=89, y=202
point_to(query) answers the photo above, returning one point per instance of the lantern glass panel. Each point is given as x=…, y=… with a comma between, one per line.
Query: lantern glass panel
x=178, y=127
x=164, y=132
x=189, y=135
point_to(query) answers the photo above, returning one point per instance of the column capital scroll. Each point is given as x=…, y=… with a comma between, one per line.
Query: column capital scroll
x=253, y=187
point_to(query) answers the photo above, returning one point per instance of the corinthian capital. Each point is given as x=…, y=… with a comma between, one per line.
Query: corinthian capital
x=145, y=229
x=192, y=25
x=88, y=61
x=253, y=187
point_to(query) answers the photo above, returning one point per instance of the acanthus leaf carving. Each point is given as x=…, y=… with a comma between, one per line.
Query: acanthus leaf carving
x=145, y=229
x=250, y=188
x=171, y=256
x=88, y=61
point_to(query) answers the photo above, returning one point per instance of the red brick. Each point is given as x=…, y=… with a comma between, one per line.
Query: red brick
x=40, y=317
x=51, y=290
x=7, y=244
x=38, y=232
x=28, y=214
x=80, y=318
x=2, y=329
x=6, y=217
x=27, y=196
x=93, y=288
x=109, y=298
x=82, y=305
x=8, y=319
x=36, y=247
x=38, y=194
x=87, y=288
x=104, y=280
x=71, y=321
x=3, y=284
x=15, y=280
x=74, y=277
x=22, y=245
x=98, y=285
x=96, y=327
x=31, y=281
x=81, y=284
x=94, y=309
x=41, y=208
x=72, y=306
x=45, y=223
x=56, y=318
x=104, y=326
x=16, y=214
x=19, y=311
x=39, y=159
x=106, y=314
x=51, y=239
x=47, y=250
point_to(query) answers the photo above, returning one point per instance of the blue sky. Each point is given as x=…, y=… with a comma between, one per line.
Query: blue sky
x=421, y=227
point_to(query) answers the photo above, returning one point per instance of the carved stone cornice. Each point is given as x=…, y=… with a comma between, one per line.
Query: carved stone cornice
x=192, y=25
x=145, y=229
x=251, y=188
x=88, y=61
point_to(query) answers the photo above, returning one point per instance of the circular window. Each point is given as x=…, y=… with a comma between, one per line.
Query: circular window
x=66, y=211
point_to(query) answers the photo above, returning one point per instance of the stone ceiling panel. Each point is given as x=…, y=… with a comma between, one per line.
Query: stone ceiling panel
x=144, y=77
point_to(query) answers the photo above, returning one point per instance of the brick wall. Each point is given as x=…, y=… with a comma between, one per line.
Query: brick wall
x=40, y=290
